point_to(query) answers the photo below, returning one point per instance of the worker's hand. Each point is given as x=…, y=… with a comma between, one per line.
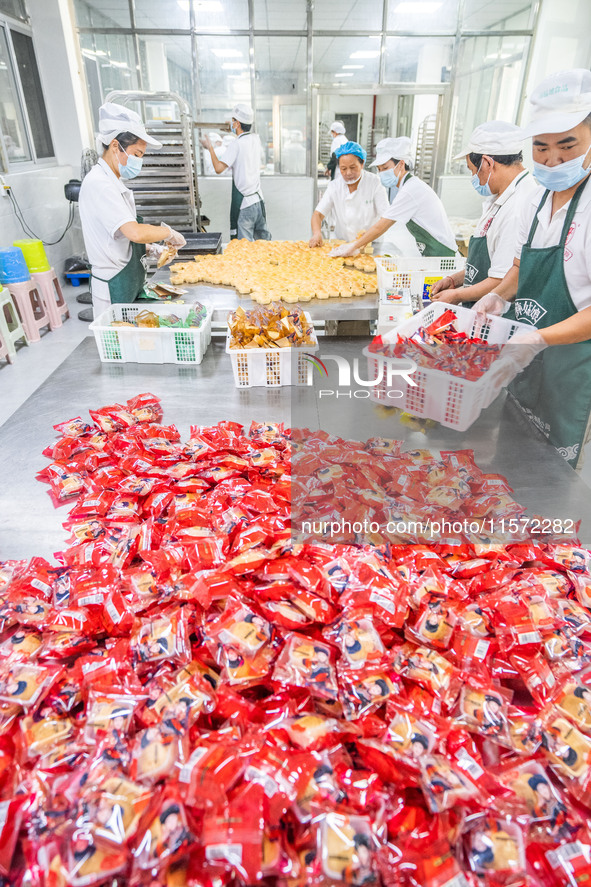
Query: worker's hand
x=205, y=142
x=347, y=249
x=446, y=283
x=451, y=297
x=173, y=238
x=327, y=173
x=492, y=303
x=516, y=355
x=154, y=251
x=529, y=337
x=315, y=240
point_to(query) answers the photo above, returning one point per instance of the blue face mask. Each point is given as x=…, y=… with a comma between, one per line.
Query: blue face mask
x=133, y=168
x=388, y=179
x=483, y=190
x=563, y=176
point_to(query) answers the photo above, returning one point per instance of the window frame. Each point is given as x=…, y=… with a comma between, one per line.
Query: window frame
x=456, y=31
x=9, y=24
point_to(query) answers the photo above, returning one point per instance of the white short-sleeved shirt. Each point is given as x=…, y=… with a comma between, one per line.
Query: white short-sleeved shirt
x=417, y=202
x=577, y=252
x=336, y=143
x=243, y=157
x=105, y=204
x=354, y=211
x=499, y=223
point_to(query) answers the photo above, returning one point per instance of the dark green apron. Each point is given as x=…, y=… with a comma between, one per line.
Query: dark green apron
x=128, y=283
x=554, y=391
x=477, y=264
x=236, y=206
x=478, y=258
x=426, y=243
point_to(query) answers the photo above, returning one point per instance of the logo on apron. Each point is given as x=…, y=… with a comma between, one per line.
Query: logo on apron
x=471, y=273
x=421, y=247
x=529, y=311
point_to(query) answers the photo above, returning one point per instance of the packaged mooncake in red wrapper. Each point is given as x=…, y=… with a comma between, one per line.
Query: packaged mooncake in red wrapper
x=191, y=697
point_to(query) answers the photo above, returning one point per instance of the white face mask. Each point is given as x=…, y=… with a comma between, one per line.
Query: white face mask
x=352, y=181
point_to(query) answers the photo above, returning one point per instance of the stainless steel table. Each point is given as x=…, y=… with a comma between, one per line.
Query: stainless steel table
x=205, y=394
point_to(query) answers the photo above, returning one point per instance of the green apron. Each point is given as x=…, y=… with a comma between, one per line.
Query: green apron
x=128, y=283
x=478, y=258
x=426, y=243
x=236, y=206
x=554, y=391
x=477, y=264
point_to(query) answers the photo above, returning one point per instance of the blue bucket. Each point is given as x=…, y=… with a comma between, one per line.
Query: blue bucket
x=13, y=268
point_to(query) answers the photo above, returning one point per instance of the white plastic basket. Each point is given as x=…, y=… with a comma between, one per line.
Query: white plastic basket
x=449, y=400
x=400, y=277
x=272, y=367
x=146, y=345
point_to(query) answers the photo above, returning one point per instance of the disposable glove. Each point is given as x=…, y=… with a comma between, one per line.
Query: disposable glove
x=174, y=238
x=492, y=303
x=347, y=249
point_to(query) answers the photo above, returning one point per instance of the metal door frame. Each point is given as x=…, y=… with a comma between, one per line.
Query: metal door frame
x=278, y=102
x=443, y=90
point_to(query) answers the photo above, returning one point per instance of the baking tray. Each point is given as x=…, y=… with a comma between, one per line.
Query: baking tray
x=199, y=244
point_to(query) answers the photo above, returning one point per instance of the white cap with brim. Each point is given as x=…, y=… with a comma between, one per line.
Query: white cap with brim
x=243, y=113
x=393, y=149
x=496, y=138
x=116, y=119
x=338, y=127
x=559, y=103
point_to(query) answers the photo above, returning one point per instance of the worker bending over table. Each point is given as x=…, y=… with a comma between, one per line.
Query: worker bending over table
x=354, y=200
x=415, y=205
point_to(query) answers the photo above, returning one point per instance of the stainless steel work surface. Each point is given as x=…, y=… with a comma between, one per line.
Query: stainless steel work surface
x=205, y=394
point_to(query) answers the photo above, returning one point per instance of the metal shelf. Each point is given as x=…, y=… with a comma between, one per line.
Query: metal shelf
x=166, y=189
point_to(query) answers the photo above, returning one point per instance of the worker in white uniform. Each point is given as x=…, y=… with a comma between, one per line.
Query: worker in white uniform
x=354, y=201
x=114, y=236
x=415, y=205
x=495, y=159
x=549, y=284
x=248, y=220
x=293, y=154
x=337, y=131
x=217, y=142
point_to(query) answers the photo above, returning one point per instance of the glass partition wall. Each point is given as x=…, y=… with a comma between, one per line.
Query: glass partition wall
x=430, y=69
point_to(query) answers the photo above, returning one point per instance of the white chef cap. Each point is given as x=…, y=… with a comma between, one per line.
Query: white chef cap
x=115, y=119
x=495, y=138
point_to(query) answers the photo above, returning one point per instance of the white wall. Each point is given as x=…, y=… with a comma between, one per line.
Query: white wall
x=288, y=202
x=40, y=194
x=63, y=85
x=562, y=41
x=40, y=191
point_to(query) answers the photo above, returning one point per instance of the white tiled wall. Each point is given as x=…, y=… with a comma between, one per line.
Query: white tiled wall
x=288, y=202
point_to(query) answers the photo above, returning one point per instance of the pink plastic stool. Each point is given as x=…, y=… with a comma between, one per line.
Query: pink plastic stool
x=30, y=307
x=53, y=298
x=11, y=329
x=4, y=352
